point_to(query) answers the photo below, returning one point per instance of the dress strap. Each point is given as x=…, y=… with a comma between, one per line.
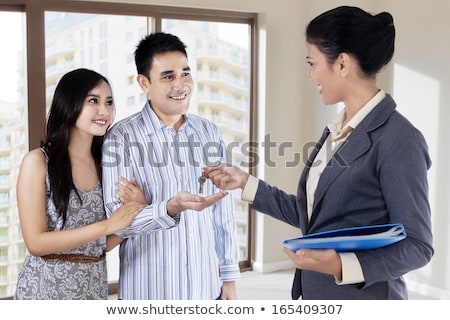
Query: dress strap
x=44, y=152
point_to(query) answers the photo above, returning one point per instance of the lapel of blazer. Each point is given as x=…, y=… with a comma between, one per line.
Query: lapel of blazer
x=301, y=194
x=355, y=146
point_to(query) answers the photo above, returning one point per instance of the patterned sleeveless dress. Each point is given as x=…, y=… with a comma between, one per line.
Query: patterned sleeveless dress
x=54, y=279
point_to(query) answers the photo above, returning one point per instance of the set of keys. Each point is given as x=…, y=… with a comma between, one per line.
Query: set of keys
x=201, y=180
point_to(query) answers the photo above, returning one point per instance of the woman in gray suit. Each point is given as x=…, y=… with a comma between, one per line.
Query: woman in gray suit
x=369, y=167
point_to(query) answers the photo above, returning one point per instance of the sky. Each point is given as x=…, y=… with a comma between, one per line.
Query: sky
x=11, y=37
x=236, y=33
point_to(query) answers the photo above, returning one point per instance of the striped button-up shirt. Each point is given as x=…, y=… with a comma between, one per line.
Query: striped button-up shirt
x=182, y=257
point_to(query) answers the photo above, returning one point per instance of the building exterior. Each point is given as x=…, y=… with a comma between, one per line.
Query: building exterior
x=106, y=43
x=13, y=145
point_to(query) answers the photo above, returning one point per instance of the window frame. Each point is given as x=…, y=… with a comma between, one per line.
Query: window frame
x=34, y=11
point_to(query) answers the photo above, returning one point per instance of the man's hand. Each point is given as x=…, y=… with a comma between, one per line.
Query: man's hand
x=228, y=291
x=185, y=200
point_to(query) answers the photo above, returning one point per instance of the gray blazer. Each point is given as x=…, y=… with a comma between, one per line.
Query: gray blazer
x=378, y=176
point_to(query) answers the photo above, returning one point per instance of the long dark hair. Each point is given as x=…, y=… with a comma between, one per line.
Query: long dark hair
x=369, y=38
x=67, y=104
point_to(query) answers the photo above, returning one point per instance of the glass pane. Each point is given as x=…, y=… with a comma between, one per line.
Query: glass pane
x=219, y=58
x=104, y=43
x=13, y=143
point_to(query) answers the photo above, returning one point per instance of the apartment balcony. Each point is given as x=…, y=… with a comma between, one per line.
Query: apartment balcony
x=54, y=72
x=226, y=82
x=54, y=52
x=5, y=149
x=223, y=101
x=229, y=59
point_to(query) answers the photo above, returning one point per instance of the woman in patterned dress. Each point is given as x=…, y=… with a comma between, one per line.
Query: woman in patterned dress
x=59, y=196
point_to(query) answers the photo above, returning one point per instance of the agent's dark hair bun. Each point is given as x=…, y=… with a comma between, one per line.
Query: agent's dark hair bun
x=369, y=38
x=385, y=18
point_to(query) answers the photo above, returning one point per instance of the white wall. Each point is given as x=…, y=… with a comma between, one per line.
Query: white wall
x=421, y=83
x=289, y=109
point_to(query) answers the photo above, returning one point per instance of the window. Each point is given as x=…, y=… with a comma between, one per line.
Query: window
x=4, y=180
x=221, y=69
x=4, y=217
x=130, y=80
x=103, y=39
x=3, y=235
x=13, y=141
x=131, y=101
x=4, y=198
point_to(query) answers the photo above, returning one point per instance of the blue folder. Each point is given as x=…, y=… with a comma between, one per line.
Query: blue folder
x=350, y=239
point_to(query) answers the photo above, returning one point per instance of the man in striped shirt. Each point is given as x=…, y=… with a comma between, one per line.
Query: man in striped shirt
x=183, y=245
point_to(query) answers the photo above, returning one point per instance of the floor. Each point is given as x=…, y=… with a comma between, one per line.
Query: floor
x=276, y=286
x=268, y=286
x=272, y=286
x=257, y=286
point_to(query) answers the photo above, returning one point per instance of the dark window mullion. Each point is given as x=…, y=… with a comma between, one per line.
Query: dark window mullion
x=35, y=48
